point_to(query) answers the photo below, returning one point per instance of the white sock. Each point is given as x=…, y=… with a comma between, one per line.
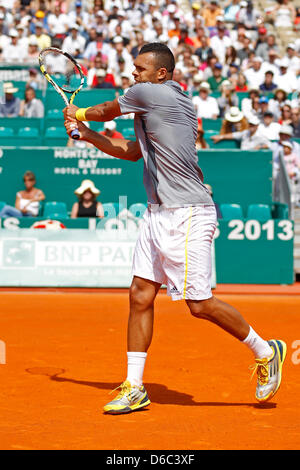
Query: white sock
x=258, y=346
x=135, y=367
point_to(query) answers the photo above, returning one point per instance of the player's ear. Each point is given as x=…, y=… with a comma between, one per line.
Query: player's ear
x=162, y=73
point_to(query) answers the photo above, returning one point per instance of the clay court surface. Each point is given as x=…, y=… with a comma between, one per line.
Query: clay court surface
x=66, y=350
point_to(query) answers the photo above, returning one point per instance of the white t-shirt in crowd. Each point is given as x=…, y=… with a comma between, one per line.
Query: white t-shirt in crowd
x=206, y=108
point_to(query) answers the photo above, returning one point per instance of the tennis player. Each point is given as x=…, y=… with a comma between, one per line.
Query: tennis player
x=174, y=245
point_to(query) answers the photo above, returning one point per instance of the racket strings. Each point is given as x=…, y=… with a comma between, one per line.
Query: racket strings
x=63, y=71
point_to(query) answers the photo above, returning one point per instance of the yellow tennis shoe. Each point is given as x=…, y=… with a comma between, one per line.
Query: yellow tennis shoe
x=269, y=371
x=130, y=398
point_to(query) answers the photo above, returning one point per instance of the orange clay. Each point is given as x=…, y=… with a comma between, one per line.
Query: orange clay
x=66, y=351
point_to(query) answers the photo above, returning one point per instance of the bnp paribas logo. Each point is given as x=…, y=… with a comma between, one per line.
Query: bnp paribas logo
x=18, y=253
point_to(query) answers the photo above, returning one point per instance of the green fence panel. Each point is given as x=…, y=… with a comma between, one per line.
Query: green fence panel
x=245, y=252
x=242, y=177
x=238, y=176
x=59, y=171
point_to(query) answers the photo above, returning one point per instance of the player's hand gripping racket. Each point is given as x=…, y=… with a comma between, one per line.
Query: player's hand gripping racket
x=64, y=74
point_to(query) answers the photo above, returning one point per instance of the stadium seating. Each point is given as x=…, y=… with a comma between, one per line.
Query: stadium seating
x=261, y=212
x=211, y=124
x=55, y=210
x=17, y=123
x=231, y=211
x=55, y=136
x=280, y=210
x=29, y=136
x=6, y=136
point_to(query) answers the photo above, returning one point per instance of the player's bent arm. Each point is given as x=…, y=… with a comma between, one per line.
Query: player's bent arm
x=104, y=112
x=118, y=148
x=101, y=112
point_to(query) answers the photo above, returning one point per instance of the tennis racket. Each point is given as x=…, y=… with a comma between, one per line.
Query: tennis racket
x=64, y=74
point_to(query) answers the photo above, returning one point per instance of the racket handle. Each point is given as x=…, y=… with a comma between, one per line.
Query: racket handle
x=75, y=134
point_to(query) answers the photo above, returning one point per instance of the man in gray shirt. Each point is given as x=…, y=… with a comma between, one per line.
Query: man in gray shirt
x=174, y=245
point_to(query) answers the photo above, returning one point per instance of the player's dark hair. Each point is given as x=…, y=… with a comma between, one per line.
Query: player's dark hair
x=163, y=55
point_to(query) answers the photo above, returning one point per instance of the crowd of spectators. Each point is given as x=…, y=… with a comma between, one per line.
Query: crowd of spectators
x=222, y=48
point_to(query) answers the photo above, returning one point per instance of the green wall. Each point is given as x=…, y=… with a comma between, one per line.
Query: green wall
x=236, y=176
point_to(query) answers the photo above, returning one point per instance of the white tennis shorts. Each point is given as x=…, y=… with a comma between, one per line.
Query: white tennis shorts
x=174, y=248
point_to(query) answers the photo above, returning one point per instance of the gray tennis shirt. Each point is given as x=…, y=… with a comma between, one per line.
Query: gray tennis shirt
x=165, y=125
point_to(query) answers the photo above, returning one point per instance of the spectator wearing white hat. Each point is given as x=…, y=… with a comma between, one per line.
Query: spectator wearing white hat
x=14, y=52
x=168, y=20
x=292, y=58
x=79, y=16
x=58, y=22
x=110, y=130
x=126, y=27
x=117, y=52
x=87, y=205
x=33, y=51
x=99, y=22
x=205, y=106
x=11, y=105
x=101, y=80
x=196, y=81
x=248, y=15
x=255, y=73
x=74, y=41
x=126, y=82
x=228, y=98
x=152, y=13
x=250, y=139
x=285, y=135
x=220, y=42
x=268, y=127
x=22, y=33
x=286, y=79
x=234, y=121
